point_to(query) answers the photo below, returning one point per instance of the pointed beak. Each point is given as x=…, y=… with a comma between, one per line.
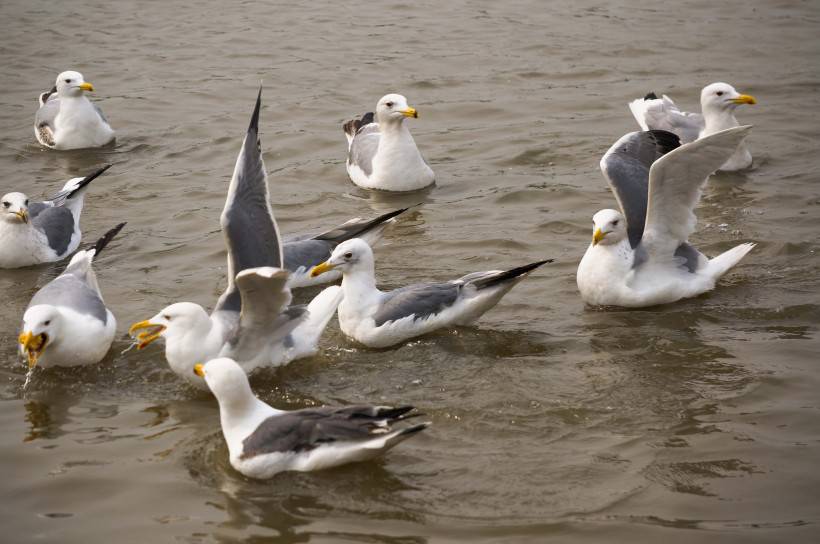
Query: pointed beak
x=321, y=269
x=199, y=370
x=410, y=112
x=33, y=346
x=23, y=215
x=597, y=236
x=154, y=332
x=86, y=86
x=745, y=99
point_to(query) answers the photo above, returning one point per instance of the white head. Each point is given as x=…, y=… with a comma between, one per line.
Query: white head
x=393, y=108
x=719, y=97
x=41, y=328
x=72, y=83
x=172, y=322
x=608, y=227
x=14, y=208
x=227, y=381
x=350, y=256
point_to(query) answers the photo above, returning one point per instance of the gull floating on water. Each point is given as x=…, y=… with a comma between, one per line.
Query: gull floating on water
x=718, y=102
x=381, y=151
x=67, y=119
x=252, y=321
x=66, y=322
x=383, y=318
x=640, y=256
x=303, y=253
x=42, y=232
x=263, y=441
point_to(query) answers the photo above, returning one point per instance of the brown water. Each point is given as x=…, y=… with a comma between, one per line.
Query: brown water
x=698, y=421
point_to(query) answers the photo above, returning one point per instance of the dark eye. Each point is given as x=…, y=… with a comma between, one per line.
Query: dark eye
x=348, y=255
x=615, y=223
x=6, y=204
x=26, y=202
x=719, y=93
x=166, y=317
x=47, y=323
x=389, y=104
x=68, y=81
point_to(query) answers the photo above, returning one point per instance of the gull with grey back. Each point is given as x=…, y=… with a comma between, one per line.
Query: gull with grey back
x=640, y=256
x=253, y=321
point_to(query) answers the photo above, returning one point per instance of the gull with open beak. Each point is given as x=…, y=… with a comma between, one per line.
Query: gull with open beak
x=381, y=151
x=253, y=321
x=66, y=322
x=42, y=232
x=718, y=102
x=640, y=256
x=67, y=119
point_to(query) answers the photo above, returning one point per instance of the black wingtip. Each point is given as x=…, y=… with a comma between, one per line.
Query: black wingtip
x=665, y=141
x=254, y=126
x=414, y=429
x=88, y=179
x=106, y=238
x=510, y=274
x=650, y=96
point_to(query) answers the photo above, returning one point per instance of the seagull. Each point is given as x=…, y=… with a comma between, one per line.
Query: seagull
x=67, y=119
x=42, y=232
x=67, y=323
x=380, y=319
x=263, y=441
x=718, y=102
x=303, y=253
x=382, y=153
x=640, y=256
x=253, y=321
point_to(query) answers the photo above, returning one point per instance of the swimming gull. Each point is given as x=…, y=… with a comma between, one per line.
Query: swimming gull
x=253, y=321
x=383, y=318
x=67, y=119
x=263, y=441
x=718, y=103
x=640, y=256
x=67, y=323
x=42, y=232
x=303, y=253
x=381, y=151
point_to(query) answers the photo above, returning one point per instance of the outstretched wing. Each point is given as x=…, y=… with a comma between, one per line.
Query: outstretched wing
x=250, y=230
x=626, y=167
x=675, y=183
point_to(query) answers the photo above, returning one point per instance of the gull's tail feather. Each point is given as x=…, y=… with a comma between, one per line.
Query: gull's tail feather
x=352, y=127
x=370, y=230
x=728, y=259
x=103, y=242
x=75, y=188
x=514, y=275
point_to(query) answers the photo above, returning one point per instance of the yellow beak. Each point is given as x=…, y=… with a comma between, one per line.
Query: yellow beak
x=87, y=86
x=198, y=370
x=33, y=346
x=22, y=215
x=745, y=99
x=597, y=236
x=410, y=112
x=154, y=332
x=321, y=269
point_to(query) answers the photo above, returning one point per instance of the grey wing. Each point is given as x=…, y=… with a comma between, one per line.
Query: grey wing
x=364, y=147
x=69, y=290
x=100, y=113
x=57, y=223
x=626, y=167
x=305, y=430
x=421, y=300
x=675, y=182
x=44, y=120
x=306, y=253
x=250, y=230
x=663, y=114
x=35, y=208
x=265, y=318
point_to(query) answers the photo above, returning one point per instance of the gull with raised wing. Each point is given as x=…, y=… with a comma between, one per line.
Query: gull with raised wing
x=253, y=321
x=42, y=232
x=640, y=256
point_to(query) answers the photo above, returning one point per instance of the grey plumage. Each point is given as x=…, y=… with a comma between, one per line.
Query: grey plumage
x=363, y=148
x=72, y=291
x=45, y=116
x=305, y=430
x=58, y=226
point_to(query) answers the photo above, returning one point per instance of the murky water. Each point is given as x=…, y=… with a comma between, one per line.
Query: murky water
x=696, y=421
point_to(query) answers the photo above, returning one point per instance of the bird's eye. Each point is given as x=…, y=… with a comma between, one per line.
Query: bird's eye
x=615, y=223
x=348, y=255
x=389, y=104
x=166, y=317
x=6, y=204
x=47, y=323
x=719, y=93
x=26, y=202
x=68, y=81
